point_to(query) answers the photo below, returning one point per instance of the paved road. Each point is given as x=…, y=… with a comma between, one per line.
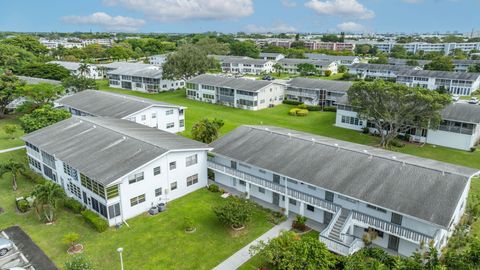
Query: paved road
x=243, y=255
x=12, y=149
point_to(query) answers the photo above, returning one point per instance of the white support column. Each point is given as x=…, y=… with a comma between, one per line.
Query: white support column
x=302, y=209
x=247, y=189
x=287, y=203
x=351, y=229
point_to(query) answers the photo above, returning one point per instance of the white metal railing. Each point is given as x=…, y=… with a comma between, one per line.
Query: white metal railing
x=301, y=196
x=342, y=248
x=345, y=227
x=328, y=229
x=390, y=228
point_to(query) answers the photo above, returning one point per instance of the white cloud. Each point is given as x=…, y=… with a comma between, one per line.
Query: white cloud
x=289, y=3
x=275, y=28
x=178, y=10
x=110, y=23
x=342, y=8
x=351, y=27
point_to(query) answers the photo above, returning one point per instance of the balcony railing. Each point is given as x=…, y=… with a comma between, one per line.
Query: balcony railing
x=390, y=228
x=342, y=248
x=323, y=204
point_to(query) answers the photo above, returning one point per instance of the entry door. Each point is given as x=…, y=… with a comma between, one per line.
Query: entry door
x=275, y=198
x=327, y=217
x=276, y=179
x=85, y=199
x=393, y=242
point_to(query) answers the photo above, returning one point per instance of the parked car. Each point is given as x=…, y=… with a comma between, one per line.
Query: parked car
x=455, y=98
x=5, y=246
x=473, y=100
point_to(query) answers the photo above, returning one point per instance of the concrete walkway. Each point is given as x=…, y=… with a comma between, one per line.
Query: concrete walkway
x=243, y=255
x=12, y=149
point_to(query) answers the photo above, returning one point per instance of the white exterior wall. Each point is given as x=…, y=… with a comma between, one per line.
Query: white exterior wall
x=161, y=120
x=338, y=120
x=163, y=180
x=271, y=95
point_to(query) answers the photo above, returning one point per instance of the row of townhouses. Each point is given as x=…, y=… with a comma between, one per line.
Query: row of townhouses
x=456, y=83
x=460, y=126
x=415, y=47
x=459, y=65
x=73, y=67
x=160, y=115
x=309, y=44
x=69, y=43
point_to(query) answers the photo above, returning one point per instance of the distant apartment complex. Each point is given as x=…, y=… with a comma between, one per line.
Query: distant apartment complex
x=69, y=43
x=350, y=189
x=416, y=47
x=117, y=168
x=164, y=116
x=141, y=77
x=316, y=92
x=235, y=92
x=309, y=44
x=157, y=60
x=290, y=65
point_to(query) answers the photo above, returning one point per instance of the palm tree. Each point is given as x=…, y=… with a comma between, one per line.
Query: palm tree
x=46, y=197
x=84, y=69
x=15, y=168
x=278, y=68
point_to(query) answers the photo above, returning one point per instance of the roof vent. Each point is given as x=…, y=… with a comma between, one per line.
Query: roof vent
x=124, y=138
x=289, y=135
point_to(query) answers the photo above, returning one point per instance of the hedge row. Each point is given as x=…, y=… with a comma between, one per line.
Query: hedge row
x=73, y=205
x=292, y=102
x=310, y=108
x=95, y=221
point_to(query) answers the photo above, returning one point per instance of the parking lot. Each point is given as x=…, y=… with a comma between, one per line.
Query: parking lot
x=25, y=254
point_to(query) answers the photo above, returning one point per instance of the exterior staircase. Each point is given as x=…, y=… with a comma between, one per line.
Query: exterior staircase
x=337, y=227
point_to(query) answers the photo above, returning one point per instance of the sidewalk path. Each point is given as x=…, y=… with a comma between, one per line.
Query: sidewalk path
x=12, y=149
x=243, y=255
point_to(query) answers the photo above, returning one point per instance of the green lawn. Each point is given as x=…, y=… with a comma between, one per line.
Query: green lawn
x=321, y=123
x=6, y=141
x=157, y=242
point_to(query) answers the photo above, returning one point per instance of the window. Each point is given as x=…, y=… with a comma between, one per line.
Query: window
x=292, y=181
x=261, y=190
x=92, y=186
x=173, y=165
x=191, y=160
x=261, y=171
x=114, y=210
x=376, y=208
x=137, y=177
x=158, y=192
x=156, y=170
x=329, y=196
x=170, y=125
x=173, y=186
x=49, y=160
x=69, y=170
x=35, y=163
x=292, y=201
x=397, y=218
x=112, y=192
x=49, y=173
x=182, y=122
x=31, y=146
x=242, y=183
x=143, y=117
x=169, y=112
x=191, y=180
x=137, y=200
x=154, y=115
x=74, y=189
x=311, y=187
x=310, y=208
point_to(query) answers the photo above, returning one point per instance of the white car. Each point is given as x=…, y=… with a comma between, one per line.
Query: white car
x=455, y=98
x=473, y=100
x=5, y=246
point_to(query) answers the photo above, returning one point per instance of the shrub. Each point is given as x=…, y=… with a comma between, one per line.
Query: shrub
x=23, y=205
x=189, y=224
x=365, y=130
x=302, y=112
x=472, y=149
x=291, y=102
x=73, y=205
x=71, y=239
x=302, y=106
x=235, y=212
x=78, y=262
x=299, y=223
x=328, y=73
x=293, y=112
x=32, y=176
x=95, y=221
x=213, y=188
x=329, y=109
x=313, y=108
x=397, y=143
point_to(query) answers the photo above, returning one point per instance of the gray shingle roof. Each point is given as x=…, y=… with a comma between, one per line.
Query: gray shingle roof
x=403, y=62
x=381, y=67
x=266, y=54
x=440, y=74
x=422, y=188
x=462, y=112
x=72, y=66
x=239, y=60
x=319, y=56
x=317, y=84
x=465, y=62
x=101, y=103
x=33, y=80
x=106, y=149
x=233, y=83
x=139, y=70
x=295, y=61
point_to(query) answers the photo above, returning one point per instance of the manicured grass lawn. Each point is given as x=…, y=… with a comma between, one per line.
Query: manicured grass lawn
x=157, y=242
x=6, y=141
x=321, y=123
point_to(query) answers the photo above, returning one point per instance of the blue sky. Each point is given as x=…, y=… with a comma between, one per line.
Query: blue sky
x=240, y=15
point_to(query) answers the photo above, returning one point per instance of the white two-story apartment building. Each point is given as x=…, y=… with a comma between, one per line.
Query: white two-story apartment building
x=143, y=78
x=290, y=65
x=316, y=92
x=408, y=201
x=271, y=56
x=92, y=73
x=342, y=60
x=245, y=65
x=459, y=129
x=456, y=83
x=241, y=93
x=156, y=114
x=378, y=71
x=117, y=168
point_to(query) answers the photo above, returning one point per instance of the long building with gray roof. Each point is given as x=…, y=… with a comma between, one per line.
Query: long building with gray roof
x=350, y=188
x=242, y=93
x=316, y=91
x=107, y=162
x=144, y=111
